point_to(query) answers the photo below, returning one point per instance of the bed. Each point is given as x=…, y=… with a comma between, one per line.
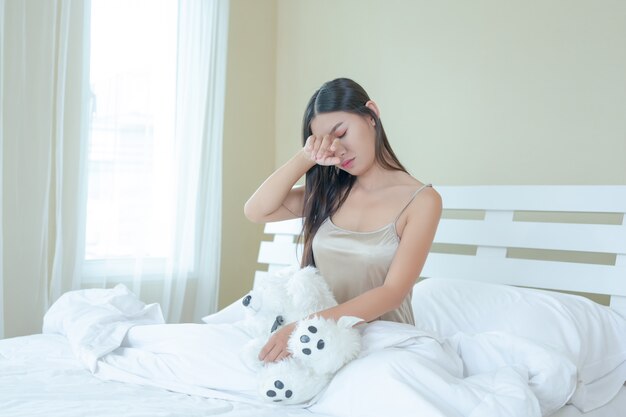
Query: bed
x=505, y=261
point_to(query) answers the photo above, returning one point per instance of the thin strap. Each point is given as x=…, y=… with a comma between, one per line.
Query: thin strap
x=410, y=200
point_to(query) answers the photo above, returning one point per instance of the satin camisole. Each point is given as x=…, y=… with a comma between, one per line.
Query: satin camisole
x=355, y=262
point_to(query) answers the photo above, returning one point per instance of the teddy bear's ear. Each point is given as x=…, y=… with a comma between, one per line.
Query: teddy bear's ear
x=349, y=321
x=287, y=271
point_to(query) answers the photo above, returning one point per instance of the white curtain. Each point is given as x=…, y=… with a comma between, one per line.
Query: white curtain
x=162, y=184
x=1, y=157
x=201, y=79
x=41, y=122
x=45, y=110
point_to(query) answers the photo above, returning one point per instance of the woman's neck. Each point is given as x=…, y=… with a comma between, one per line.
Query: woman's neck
x=377, y=178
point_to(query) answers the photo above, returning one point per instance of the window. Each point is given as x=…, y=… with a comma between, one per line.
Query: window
x=153, y=165
x=133, y=87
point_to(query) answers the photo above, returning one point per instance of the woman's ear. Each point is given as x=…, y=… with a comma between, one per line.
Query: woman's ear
x=374, y=107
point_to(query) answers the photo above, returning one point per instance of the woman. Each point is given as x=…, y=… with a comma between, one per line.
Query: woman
x=368, y=223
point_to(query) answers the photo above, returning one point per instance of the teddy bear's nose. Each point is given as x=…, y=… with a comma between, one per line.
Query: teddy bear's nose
x=277, y=323
x=246, y=300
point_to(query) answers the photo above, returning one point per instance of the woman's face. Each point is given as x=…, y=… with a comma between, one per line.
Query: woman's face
x=357, y=138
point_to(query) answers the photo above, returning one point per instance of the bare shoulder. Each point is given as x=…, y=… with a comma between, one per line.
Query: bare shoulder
x=428, y=197
x=424, y=211
x=427, y=203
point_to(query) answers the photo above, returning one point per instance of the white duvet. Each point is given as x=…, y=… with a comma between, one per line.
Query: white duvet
x=400, y=372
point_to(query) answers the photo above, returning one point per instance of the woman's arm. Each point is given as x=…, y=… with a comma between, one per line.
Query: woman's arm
x=277, y=198
x=423, y=216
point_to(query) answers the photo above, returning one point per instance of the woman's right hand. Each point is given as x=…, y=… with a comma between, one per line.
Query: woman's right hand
x=324, y=150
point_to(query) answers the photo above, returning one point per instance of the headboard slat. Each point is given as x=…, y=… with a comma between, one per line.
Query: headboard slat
x=566, y=198
x=537, y=235
x=287, y=227
x=281, y=253
x=590, y=278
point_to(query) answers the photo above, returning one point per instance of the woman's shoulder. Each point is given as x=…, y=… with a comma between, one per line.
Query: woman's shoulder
x=407, y=184
x=422, y=211
x=427, y=201
x=424, y=200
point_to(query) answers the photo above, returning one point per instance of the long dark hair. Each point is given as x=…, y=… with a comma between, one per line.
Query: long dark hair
x=326, y=188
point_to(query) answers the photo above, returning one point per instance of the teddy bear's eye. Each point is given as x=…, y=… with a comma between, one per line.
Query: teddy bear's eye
x=252, y=301
x=246, y=300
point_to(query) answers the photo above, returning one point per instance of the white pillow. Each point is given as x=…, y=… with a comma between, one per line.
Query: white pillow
x=229, y=314
x=592, y=336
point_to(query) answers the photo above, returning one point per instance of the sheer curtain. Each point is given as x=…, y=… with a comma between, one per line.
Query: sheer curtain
x=153, y=206
x=1, y=158
x=45, y=106
x=40, y=127
x=201, y=80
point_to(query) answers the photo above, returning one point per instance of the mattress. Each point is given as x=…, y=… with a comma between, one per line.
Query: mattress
x=39, y=376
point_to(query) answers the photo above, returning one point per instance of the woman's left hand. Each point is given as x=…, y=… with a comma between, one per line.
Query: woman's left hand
x=276, y=347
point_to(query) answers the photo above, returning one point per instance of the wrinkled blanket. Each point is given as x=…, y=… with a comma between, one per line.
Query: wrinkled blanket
x=400, y=370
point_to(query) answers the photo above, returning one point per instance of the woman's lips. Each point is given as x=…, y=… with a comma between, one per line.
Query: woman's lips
x=347, y=164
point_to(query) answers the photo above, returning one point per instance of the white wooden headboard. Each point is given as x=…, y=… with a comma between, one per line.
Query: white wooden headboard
x=492, y=222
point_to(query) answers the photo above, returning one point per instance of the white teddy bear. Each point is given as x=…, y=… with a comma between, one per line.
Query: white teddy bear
x=318, y=347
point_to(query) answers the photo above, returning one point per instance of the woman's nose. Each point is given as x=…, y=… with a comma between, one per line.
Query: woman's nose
x=339, y=149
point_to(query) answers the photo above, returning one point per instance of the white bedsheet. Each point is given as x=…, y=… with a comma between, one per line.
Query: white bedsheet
x=400, y=370
x=40, y=377
x=500, y=375
x=615, y=408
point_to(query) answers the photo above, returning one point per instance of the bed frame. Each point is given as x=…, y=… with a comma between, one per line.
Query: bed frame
x=565, y=238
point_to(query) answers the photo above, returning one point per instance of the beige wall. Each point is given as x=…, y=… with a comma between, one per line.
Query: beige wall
x=482, y=92
x=248, y=136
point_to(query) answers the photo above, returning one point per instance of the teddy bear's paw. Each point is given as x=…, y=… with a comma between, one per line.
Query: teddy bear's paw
x=324, y=345
x=310, y=341
x=289, y=382
x=278, y=392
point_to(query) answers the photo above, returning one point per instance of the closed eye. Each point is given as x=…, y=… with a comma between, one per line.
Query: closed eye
x=342, y=135
x=335, y=130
